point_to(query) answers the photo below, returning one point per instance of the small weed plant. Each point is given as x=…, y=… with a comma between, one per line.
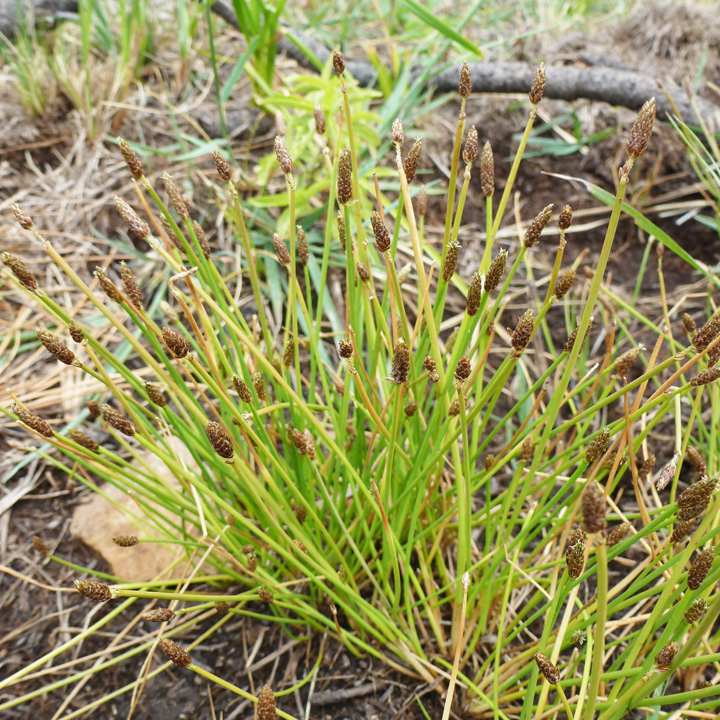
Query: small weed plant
x=427, y=488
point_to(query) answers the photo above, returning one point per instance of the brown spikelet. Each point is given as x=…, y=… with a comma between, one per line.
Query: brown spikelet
x=688, y=323
x=597, y=446
x=23, y=219
x=202, y=239
x=76, y=332
x=705, y=377
x=94, y=590
x=565, y=219
x=454, y=409
x=131, y=160
x=82, y=439
x=303, y=249
x=242, y=389
x=463, y=369
x=259, y=384
x=20, y=271
x=130, y=284
x=648, y=466
x=222, y=166
x=538, y=85
x=465, y=84
x=422, y=199
x=283, y=156
x=625, y=362
x=470, y=152
x=126, y=540
x=410, y=408
x=575, y=554
x=177, y=344
x=175, y=196
x=547, y=669
x=363, y=272
x=488, y=462
x=222, y=608
x=93, y=409
x=309, y=444
x=158, y=615
x=341, y=229
x=345, y=348
x=320, y=124
x=134, y=222
x=219, y=439
x=537, y=225
x=713, y=356
x=593, y=507
x=266, y=596
x=562, y=288
x=570, y=342
x=695, y=458
x=474, y=295
x=685, y=514
x=696, y=611
x=344, y=180
x=448, y=269
x=487, y=170
x=175, y=653
x=641, y=130
x=528, y=450
x=108, y=286
x=300, y=513
x=523, y=332
x=33, y=421
x=700, y=567
x=155, y=394
x=400, y=363
x=338, y=62
x=40, y=546
x=281, y=251
x=382, y=235
x=495, y=271
x=412, y=161
x=699, y=492
x=58, y=350
x=666, y=656
x=266, y=706
x=681, y=529
x=619, y=533
x=707, y=333
x=117, y=419
x=397, y=134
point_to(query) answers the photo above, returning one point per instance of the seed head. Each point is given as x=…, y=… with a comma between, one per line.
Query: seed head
x=699, y=492
x=131, y=160
x=707, y=333
x=523, y=332
x=266, y=707
x=422, y=201
x=338, y=62
x=82, y=439
x=175, y=653
x=538, y=86
x=94, y=590
x=495, y=271
x=648, y=466
x=303, y=250
x=40, y=546
x=454, y=409
x=593, y=506
x=666, y=656
x=487, y=170
x=397, y=135
x=319, y=120
x=155, y=394
x=222, y=608
x=345, y=348
x=117, y=419
x=448, y=269
x=597, y=446
x=465, y=85
x=20, y=271
x=135, y=224
x=33, y=421
x=575, y=554
x=696, y=611
x=538, y=224
x=410, y=408
x=688, y=323
x=474, y=294
x=108, y=286
x=681, y=529
x=259, y=384
x=175, y=196
x=23, y=219
x=363, y=272
x=344, y=180
x=641, y=130
x=700, y=567
x=300, y=513
x=289, y=353
x=695, y=458
x=470, y=153
x=58, y=350
x=126, y=540
x=283, y=156
x=547, y=669
x=626, y=361
x=705, y=377
x=412, y=161
x=202, y=239
x=222, y=166
x=158, y=615
x=619, y=533
x=177, y=344
x=93, y=409
x=565, y=219
x=573, y=336
x=266, y=596
x=488, y=462
x=463, y=369
x=76, y=332
x=382, y=235
x=341, y=230
x=220, y=440
x=242, y=389
x=400, y=363
x=281, y=251
x=528, y=450
x=130, y=284
x=562, y=288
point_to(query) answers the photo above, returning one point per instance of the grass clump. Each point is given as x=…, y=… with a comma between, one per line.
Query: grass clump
x=349, y=466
